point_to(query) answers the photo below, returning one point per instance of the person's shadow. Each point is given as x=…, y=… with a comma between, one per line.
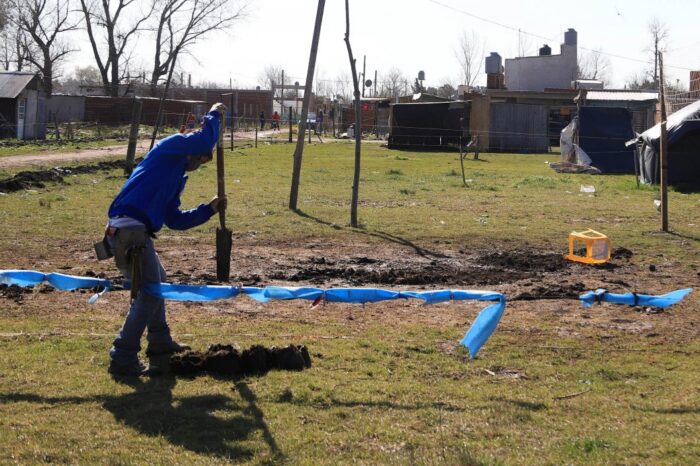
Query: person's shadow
x=206, y=424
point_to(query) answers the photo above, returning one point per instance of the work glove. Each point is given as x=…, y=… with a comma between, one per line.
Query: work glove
x=218, y=203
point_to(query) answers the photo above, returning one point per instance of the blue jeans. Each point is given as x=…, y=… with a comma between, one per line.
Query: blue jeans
x=146, y=312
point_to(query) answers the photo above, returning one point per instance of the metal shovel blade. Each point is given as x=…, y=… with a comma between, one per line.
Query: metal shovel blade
x=223, y=254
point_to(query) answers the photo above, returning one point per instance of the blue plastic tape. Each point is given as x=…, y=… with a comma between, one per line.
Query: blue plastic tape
x=478, y=334
x=634, y=299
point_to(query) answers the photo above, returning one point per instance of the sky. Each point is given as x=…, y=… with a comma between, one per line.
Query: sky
x=415, y=35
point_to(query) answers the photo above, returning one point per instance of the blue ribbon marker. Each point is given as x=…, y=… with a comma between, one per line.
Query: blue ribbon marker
x=634, y=299
x=480, y=331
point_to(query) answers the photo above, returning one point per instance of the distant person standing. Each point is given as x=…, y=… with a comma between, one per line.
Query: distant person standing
x=276, y=120
x=262, y=121
x=319, y=122
x=190, y=122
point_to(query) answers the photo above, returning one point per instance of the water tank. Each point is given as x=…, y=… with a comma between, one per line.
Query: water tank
x=571, y=37
x=421, y=76
x=493, y=63
x=545, y=50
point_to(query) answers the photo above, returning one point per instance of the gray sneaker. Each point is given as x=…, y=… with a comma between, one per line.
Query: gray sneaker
x=155, y=349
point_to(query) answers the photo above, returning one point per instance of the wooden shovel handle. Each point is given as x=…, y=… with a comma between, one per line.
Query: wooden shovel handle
x=221, y=187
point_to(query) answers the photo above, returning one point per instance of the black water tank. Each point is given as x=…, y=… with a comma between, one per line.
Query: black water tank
x=545, y=50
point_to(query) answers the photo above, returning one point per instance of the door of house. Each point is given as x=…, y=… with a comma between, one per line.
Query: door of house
x=21, y=113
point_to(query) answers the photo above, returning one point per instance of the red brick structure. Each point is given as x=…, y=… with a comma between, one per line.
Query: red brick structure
x=117, y=110
x=250, y=102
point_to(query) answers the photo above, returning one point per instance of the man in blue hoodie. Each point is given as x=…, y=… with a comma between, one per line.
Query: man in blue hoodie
x=149, y=199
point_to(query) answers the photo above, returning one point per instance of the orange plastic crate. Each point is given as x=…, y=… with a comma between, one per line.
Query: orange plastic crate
x=598, y=247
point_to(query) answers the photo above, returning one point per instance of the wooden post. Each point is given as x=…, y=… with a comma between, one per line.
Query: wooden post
x=309, y=135
x=358, y=122
x=233, y=119
x=663, y=145
x=299, y=150
x=133, y=135
x=256, y=137
x=290, y=123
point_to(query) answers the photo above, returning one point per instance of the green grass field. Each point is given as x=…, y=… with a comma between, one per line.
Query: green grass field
x=389, y=383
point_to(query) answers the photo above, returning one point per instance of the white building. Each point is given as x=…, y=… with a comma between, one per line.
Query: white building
x=544, y=71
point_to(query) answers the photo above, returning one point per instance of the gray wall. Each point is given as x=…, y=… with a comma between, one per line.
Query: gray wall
x=518, y=128
x=542, y=72
x=66, y=108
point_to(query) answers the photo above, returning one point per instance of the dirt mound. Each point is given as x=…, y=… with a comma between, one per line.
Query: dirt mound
x=525, y=261
x=14, y=292
x=37, y=178
x=227, y=361
x=552, y=291
x=489, y=269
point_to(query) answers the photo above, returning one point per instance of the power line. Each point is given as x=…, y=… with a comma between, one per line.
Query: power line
x=521, y=31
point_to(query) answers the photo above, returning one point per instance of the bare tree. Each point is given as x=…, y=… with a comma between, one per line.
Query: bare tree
x=392, y=83
x=470, y=56
x=13, y=44
x=44, y=21
x=524, y=44
x=658, y=34
x=181, y=23
x=108, y=25
x=271, y=74
x=594, y=65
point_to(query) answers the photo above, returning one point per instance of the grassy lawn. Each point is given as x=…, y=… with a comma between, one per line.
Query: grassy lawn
x=389, y=384
x=25, y=148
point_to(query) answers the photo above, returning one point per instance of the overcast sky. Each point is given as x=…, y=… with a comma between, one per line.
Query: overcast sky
x=418, y=35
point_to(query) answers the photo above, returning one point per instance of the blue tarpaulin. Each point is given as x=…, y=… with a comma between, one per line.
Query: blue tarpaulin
x=603, y=132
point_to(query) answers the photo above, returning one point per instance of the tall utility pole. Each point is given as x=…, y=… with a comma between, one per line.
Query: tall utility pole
x=374, y=94
x=282, y=99
x=364, y=74
x=299, y=150
x=663, y=146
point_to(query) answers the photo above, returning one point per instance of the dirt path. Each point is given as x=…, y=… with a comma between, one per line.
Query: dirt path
x=56, y=158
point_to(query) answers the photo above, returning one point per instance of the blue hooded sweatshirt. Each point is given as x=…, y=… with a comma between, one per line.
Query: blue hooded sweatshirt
x=151, y=195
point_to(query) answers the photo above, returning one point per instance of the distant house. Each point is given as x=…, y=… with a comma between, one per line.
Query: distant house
x=22, y=106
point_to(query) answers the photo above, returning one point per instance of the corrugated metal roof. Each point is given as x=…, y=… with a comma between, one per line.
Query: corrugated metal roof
x=13, y=82
x=622, y=95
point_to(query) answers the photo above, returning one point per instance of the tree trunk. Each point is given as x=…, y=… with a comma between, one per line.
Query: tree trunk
x=299, y=150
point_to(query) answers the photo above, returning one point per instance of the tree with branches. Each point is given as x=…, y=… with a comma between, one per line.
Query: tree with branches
x=392, y=83
x=470, y=56
x=181, y=23
x=271, y=74
x=13, y=42
x=593, y=65
x=658, y=33
x=110, y=26
x=44, y=22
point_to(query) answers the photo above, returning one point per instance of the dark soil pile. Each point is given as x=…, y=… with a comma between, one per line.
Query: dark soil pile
x=227, y=361
x=14, y=292
x=37, y=178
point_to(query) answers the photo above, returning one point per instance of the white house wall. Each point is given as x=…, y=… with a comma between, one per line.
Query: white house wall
x=543, y=71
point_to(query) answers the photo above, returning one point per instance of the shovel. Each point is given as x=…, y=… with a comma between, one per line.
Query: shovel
x=223, y=235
